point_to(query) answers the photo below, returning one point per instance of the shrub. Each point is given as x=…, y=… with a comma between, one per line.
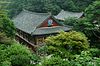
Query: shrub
x=54, y=61
x=95, y=52
x=17, y=55
x=6, y=63
x=85, y=59
x=6, y=25
x=4, y=39
x=20, y=60
x=67, y=41
x=72, y=21
x=21, y=55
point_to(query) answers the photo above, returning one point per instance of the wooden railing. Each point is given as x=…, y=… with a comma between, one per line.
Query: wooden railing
x=33, y=45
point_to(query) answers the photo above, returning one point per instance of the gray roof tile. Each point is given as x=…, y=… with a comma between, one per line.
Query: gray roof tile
x=28, y=21
x=50, y=30
x=65, y=14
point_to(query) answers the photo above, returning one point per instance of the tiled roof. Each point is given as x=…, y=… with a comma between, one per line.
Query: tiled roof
x=28, y=21
x=50, y=30
x=65, y=14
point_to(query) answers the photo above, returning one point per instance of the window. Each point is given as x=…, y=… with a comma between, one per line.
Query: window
x=50, y=23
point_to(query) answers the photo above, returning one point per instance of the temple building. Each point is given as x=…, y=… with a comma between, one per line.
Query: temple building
x=32, y=28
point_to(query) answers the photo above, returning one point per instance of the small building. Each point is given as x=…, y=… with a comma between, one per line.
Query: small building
x=66, y=14
x=32, y=28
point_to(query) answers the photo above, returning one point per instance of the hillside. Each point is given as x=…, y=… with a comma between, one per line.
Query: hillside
x=53, y=6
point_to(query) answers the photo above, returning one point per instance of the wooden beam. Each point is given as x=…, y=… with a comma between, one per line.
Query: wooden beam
x=35, y=46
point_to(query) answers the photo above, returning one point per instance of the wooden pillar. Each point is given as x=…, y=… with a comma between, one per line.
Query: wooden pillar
x=34, y=39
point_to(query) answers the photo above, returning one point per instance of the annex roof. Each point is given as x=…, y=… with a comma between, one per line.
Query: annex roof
x=65, y=14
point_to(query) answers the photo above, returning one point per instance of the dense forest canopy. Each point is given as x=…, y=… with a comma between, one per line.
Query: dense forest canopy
x=53, y=6
x=92, y=17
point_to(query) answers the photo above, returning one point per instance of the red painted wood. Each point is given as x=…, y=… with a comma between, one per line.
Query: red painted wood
x=45, y=23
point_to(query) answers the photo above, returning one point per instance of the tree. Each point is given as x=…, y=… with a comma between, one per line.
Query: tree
x=85, y=58
x=71, y=21
x=69, y=5
x=54, y=61
x=92, y=14
x=53, y=6
x=73, y=42
x=3, y=4
x=19, y=55
x=4, y=39
x=6, y=25
x=15, y=7
x=90, y=24
x=82, y=4
x=16, y=55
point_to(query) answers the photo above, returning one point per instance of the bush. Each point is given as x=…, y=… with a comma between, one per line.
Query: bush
x=86, y=59
x=54, y=61
x=83, y=59
x=72, y=21
x=21, y=55
x=17, y=55
x=20, y=60
x=4, y=39
x=95, y=52
x=6, y=63
x=6, y=25
x=71, y=41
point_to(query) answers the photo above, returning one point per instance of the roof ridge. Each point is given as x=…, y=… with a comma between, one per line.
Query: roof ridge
x=69, y=11
x=33, y=30
x=33, y=12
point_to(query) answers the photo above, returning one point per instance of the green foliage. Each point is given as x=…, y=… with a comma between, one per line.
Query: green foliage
x=4, y=39
x=16, y=6
x=6, y=25
x=91, y=19
x=66, y=49
x=67, y=41
x=3, y=4
x=12, y=53
x=53, y=61
x=20, y=60
x=16, y=55
x=23, y=55
x=3, y=55
x=18, y=50
x=70, y=5
x=53, y=6
x=6, y=63
x=90, y=24
x=92, y=14
x=42, y=50
x=83, y=59
x=53, y=9
x=72, y=21
x=95, y=52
